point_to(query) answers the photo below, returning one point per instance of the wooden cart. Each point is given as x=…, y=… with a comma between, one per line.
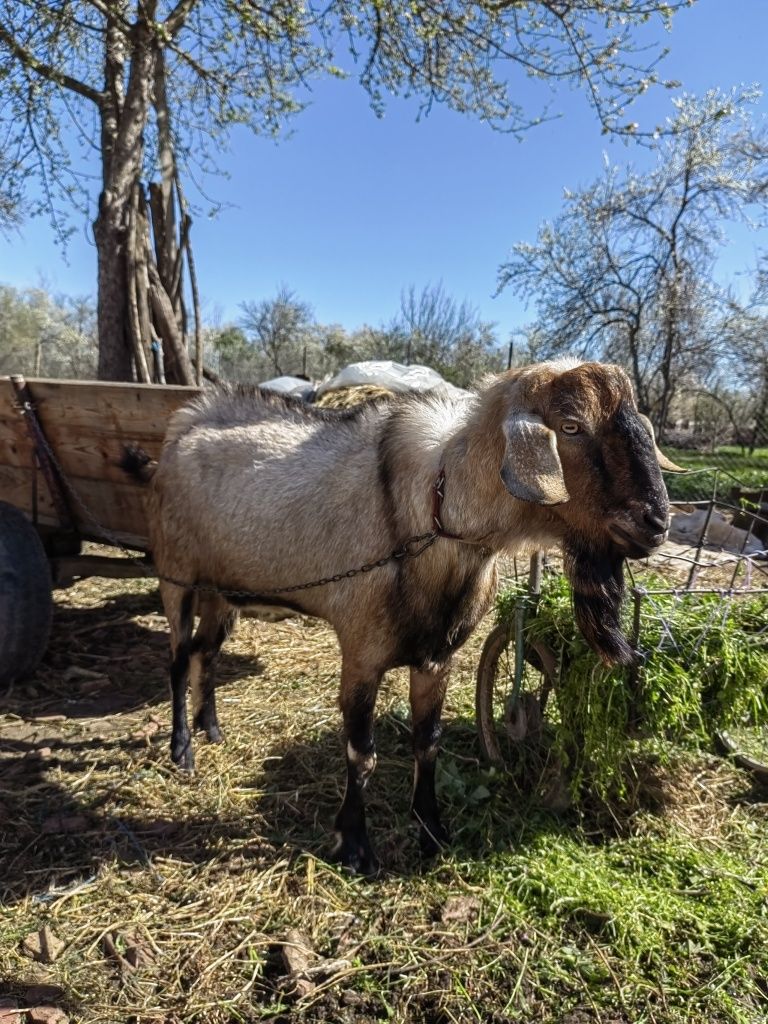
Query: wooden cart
x=61, y=484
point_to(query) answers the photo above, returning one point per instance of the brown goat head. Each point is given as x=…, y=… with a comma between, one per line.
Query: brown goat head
x=576, y=442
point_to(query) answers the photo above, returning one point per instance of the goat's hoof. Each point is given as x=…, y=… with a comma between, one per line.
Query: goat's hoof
x=355, y=853
x=211, y=729
x=434, y=837
x=184, y=759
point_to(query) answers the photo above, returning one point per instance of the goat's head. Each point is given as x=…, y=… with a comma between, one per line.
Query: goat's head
x=576, y=442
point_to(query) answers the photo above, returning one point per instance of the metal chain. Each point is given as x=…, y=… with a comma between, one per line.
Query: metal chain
x=410, y=548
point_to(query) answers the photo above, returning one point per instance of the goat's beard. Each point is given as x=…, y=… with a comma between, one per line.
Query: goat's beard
x=596, y=573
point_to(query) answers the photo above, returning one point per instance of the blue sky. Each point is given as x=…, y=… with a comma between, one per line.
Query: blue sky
x=351, y=209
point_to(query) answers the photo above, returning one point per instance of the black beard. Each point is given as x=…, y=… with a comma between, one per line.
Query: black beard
x=597, y=580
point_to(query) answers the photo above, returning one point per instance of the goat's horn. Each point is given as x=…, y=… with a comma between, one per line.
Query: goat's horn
x=664, y=462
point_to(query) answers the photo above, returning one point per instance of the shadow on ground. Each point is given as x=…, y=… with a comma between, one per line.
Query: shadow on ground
x=107, y=659
x=68, y=818
x=76, y=757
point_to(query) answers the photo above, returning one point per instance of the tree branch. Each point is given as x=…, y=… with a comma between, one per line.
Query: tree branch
x=178, y=16
x=47, y=71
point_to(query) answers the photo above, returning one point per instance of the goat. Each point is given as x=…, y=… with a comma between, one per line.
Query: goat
x=718, y=531
x=254, y=492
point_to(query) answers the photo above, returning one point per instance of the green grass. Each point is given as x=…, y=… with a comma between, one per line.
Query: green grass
x=704, y=667
x=716, y=472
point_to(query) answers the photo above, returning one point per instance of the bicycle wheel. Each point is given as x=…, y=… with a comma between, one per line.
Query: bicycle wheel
x=747, y=747
x=508, y=722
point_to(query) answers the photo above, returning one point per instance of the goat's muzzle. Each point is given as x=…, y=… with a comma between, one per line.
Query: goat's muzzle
x=639, y=534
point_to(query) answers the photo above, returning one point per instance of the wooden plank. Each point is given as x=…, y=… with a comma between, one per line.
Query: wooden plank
x=145, y=408
x=124, y=502
x=115, y=412
x=17, y=488
x=87, y=425
x=15, y=445
x=90, y=457
x=65, y=568
x=94, y=456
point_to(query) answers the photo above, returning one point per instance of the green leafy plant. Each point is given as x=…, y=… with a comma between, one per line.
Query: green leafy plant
x=703, y=666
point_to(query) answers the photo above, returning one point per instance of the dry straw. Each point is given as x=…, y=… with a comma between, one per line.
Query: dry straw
x=187, y=899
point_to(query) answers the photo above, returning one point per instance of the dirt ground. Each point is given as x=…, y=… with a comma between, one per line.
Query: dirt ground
x=132, y=893
x=100, y=829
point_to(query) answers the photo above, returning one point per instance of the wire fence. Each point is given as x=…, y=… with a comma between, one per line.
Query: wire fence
x=698, y=618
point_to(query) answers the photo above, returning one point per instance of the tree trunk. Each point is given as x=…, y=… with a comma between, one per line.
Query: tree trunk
x=140, y=336
x=123, y=118
x=641, y=391
x=671, y=327
x=112, y=307
x=178, y=368
x=760, y=428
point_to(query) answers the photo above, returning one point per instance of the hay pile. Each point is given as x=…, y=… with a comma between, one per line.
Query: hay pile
x=174, y=900
x=177, y=899
x=347, y=398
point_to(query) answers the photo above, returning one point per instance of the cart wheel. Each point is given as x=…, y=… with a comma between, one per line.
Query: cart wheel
x=26, y=602
x=503, y=721
x=755, y=740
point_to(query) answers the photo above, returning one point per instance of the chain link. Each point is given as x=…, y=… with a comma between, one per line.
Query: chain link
x=410, y=548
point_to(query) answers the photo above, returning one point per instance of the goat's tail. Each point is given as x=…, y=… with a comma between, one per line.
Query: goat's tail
x=136, y=463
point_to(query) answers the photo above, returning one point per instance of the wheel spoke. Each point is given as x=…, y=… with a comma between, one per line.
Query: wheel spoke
x=516, y=729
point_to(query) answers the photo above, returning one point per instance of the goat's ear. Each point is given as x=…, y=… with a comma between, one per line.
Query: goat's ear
x=531, y=470
x=664, y=462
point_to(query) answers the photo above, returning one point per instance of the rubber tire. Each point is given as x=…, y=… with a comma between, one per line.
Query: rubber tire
x=26, y=599
x=497, y=641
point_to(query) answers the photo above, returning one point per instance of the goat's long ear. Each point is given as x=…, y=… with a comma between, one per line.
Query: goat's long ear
x=664, y=462
x=531, y=470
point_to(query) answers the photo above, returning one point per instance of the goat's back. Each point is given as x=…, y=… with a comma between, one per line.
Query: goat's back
x=255, y=490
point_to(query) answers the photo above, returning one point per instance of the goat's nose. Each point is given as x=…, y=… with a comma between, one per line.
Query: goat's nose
x=654, y=520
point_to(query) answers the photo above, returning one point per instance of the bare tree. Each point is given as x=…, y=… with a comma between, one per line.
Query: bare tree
x=280, y=329
x=745, y=338
x=433, y=328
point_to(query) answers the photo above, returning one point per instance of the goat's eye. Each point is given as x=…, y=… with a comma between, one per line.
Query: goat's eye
x=570, y=427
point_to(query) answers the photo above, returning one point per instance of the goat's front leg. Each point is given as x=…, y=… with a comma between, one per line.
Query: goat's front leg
x=357, y=699
x=217, y=620
x=428, y=685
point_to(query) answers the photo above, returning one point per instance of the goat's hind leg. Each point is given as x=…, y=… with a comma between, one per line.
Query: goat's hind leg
x=179, y=605
x=217, y=620
x=357, y=699
x=427, y=693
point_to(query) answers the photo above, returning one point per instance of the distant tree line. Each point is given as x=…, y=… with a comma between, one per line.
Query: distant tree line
x=279, y=336
x=56, y=336
x=46, y=335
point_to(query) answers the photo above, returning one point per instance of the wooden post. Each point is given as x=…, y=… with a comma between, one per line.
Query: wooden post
x=40, y=445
